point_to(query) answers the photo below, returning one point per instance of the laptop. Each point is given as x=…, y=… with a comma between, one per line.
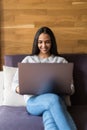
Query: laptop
x=40, y=78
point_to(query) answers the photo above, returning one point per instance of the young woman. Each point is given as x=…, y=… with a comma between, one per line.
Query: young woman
x=52, y=107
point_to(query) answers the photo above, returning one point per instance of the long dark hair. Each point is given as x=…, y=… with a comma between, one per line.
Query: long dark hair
x=46, y=30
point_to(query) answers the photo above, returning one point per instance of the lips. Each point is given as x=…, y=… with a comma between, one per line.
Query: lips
x=44, y=49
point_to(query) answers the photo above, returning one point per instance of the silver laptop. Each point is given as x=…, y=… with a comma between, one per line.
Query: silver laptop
x=39, y=78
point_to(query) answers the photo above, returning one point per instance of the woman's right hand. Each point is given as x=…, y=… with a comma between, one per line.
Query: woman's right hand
x=17, y=89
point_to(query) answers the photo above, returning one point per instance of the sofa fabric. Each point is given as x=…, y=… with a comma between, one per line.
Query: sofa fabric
x=79, y=114
x=80, y=77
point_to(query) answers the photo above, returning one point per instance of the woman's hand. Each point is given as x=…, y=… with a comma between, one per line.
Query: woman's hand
x=17, y=89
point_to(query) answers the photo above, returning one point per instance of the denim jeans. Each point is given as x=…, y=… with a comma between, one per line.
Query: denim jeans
x=53, y=110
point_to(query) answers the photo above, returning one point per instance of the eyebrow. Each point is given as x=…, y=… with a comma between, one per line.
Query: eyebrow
x=45, y=40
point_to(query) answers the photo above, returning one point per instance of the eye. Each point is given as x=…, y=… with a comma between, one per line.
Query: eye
x=48, y=42
x=40, y=42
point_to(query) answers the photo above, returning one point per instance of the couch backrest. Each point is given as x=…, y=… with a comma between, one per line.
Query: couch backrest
x=79, y=74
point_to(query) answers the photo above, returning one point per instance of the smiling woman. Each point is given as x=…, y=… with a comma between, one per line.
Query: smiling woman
x=52, y=107
x=44, y=45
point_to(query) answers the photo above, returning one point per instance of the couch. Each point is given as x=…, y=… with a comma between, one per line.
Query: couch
x=78, y=109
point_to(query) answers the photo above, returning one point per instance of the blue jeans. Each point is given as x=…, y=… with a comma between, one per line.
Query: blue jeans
x=53, y=110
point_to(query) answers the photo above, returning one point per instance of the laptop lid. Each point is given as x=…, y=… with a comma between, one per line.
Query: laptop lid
x=39, y=78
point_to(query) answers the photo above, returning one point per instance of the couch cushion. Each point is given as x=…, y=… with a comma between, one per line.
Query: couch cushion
x=25, y=121
x=17, y=118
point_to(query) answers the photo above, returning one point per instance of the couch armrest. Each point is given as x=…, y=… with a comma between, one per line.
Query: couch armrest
x=1, y=87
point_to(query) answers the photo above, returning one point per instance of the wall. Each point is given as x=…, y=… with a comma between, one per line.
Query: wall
x=21, y=19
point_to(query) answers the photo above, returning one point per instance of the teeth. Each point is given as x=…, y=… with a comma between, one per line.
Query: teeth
x=44, y=49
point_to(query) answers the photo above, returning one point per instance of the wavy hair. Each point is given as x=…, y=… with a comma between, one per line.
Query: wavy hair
x=45, y=30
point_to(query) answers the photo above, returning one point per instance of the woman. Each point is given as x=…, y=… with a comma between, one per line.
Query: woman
x=52, y=107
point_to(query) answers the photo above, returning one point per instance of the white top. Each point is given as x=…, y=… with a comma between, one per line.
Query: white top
x=37, y=59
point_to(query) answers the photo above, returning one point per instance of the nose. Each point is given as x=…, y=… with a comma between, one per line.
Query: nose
x=44, y=44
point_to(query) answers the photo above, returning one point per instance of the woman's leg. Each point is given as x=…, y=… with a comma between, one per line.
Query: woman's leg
x=35, y=108
x=61, y=116
x=56, y=107
x=49, y=123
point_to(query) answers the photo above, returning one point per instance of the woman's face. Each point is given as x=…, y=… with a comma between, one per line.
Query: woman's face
x=44, y=43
